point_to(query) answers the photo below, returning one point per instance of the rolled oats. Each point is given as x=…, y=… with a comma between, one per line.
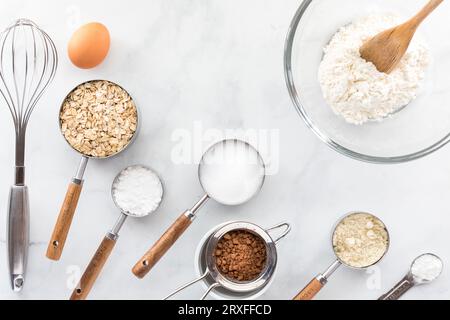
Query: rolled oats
x=98, y=118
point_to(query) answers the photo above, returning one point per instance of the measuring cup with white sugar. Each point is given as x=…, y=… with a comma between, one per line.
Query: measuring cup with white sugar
x=231, y=172
x=359, y=240
x=425, y=269
x=137, y=191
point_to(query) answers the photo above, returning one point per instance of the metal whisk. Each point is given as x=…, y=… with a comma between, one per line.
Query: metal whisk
x=28, y=62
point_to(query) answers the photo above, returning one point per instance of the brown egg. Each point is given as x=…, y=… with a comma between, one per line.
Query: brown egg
x=89, y=45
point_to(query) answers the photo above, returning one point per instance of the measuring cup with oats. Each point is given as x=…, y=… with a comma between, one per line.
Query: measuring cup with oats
x=99, y=120
x=360, y=240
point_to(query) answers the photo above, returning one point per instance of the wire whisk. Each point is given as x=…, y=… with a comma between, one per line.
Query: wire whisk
x=28, y=63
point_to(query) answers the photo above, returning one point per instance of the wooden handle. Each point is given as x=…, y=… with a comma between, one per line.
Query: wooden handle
x=425, y=12
x=310, y=291
x=93, y=269
x=59, y=236
x=148, y=261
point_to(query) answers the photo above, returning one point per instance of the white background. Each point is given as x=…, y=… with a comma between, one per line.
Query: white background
x=218, y=62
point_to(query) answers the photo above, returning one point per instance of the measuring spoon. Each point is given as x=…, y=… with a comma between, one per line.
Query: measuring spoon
x=414, y=278
x=230, y=172
x=313, y=288
x=107, y=245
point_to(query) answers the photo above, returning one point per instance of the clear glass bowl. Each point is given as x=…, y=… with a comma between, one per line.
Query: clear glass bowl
x=419, y=129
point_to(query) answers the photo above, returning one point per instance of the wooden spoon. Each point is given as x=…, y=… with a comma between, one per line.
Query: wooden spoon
x=386, y=49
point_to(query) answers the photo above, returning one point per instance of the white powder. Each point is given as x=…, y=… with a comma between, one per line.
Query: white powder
x=427, y=267
x=354, y=88
x=137, y=191
x=232, y=172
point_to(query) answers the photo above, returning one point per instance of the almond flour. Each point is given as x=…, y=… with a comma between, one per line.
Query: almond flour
x=360, y=240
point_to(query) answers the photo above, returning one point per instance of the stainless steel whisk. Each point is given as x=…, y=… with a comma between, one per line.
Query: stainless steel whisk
x=28, y=62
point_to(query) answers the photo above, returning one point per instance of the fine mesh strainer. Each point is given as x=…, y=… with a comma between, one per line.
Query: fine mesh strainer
x=224, y=286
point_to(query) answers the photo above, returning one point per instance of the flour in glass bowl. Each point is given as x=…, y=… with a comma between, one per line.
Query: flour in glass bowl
x=354, y=88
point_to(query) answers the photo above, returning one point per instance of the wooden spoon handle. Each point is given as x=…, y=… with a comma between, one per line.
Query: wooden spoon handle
x=425, y=12
x=94, y=268
x=167, y=240
x=61, y=229
x=310, y=291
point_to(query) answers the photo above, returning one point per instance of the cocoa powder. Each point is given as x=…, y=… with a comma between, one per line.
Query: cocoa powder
x=240, y=255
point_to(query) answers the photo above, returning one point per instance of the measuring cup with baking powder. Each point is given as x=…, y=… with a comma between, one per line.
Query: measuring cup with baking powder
x=417, y=275
x=65, y=217
x=310, y=291
x=222, y=286
x=230, y=172
x=107, y=245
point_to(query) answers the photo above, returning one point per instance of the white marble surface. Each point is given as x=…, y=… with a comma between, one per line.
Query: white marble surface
x=217, y=63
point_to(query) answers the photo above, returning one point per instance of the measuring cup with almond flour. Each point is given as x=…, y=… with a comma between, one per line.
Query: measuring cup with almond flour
x=231, y=172
x=360, y=240
x=99, y=120
x=220, y=275
x=137, y=191
x=424, y=270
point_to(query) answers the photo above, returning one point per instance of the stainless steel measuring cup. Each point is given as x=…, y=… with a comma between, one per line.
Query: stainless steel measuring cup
x=411, y=280
x=155, y=253
x=220, y=283
x=65, y=217
x=107, y=245
x=313, y=288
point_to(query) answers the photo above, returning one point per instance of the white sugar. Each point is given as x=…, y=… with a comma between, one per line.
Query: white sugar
x=232, y=173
